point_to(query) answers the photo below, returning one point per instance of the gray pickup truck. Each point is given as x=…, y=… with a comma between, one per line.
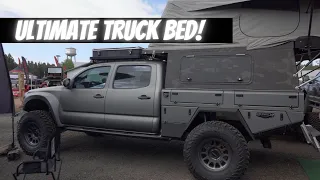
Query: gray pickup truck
x=215, y=101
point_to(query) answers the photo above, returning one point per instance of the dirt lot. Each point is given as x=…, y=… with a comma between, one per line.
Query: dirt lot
x=122, y=158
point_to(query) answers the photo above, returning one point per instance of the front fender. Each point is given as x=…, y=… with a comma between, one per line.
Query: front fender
x=51, y=100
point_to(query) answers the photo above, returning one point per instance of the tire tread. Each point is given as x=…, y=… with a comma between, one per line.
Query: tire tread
x=241, y=145
x=48, y=123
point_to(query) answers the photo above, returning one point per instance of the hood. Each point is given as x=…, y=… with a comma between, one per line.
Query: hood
x=47, y=89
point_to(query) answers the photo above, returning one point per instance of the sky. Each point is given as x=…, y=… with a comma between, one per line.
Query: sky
x=44, y=52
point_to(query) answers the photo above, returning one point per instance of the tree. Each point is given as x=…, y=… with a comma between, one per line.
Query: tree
x=68, y=64
x=10, y=62
x=38, y=69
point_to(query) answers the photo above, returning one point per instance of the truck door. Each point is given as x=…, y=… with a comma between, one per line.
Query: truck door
x=130, y=99
x=83, y=104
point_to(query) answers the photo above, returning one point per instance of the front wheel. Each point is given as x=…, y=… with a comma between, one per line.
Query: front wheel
x=216, y=151
x=35, y=129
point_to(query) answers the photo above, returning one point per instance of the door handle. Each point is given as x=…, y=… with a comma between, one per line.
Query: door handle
x=98, y=96
x=144, y=97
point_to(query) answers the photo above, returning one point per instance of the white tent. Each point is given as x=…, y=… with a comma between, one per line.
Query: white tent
x=256, y=23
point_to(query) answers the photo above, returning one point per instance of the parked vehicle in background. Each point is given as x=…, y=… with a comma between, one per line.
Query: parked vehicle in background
x=44, y=84
x=54, y=77
x=34, y=83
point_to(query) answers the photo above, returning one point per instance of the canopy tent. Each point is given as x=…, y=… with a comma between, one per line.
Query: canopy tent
x=14, y=73
x=256, y=23
x=16, y=70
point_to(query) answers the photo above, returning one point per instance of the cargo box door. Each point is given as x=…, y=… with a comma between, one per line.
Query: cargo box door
x=196, y=96
x=217, y=69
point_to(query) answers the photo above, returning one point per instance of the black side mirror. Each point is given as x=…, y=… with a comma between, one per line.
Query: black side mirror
x=66, y=83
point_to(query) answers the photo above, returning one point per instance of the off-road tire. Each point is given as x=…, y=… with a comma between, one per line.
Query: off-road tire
x=93, y=134
x=46, y=126
x=312, y=118
x=230, y=135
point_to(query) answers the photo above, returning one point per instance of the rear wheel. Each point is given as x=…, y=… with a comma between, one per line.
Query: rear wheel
x=216, y=151
x=34, y=131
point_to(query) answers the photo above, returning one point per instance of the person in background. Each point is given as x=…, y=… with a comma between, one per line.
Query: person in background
x=26, y=87
x=44, y=84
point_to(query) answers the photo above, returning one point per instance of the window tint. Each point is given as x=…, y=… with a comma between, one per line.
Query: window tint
x=94, y=78
x=132, y=77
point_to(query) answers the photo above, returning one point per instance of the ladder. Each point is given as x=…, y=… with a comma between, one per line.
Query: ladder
x=311, y=135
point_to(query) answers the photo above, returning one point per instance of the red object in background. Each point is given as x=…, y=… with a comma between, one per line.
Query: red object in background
x=57, y=62
x=43, y=85
x=15, y=92
x=26, y=88
x=17, y=70
x=19, y=61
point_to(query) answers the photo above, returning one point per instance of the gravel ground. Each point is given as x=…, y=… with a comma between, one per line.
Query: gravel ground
x=122, y=158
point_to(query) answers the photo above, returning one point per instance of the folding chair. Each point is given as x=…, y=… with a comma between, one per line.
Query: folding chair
x=44, y=160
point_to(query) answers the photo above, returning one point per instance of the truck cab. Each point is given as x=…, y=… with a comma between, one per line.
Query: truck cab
x=116, y=95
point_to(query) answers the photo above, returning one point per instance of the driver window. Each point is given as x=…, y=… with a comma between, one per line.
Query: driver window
x=94, y=78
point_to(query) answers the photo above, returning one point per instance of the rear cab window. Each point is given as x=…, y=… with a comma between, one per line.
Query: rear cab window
x=132, y=77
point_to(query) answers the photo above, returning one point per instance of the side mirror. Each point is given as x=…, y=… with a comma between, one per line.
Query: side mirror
x=66, y=83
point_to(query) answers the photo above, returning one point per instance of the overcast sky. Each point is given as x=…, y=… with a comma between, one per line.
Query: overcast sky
x=73, y=9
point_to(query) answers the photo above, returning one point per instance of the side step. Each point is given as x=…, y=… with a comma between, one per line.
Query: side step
x=119, y=133
x=311, y=135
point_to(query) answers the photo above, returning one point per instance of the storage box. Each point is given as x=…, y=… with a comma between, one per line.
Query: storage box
x=117, y=53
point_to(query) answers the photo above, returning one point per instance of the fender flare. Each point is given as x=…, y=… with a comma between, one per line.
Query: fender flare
x=49, y=100
x=215, y=110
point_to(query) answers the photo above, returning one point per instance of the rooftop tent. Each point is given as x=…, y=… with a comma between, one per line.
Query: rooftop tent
x=256, y=23
x=268, y=35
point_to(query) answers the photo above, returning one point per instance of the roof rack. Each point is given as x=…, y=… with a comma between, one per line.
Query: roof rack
x=128, y=48
x=116, y=53
x=124, y=54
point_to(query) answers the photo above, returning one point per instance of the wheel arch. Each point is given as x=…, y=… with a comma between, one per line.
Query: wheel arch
x=203, y=115
x=43, y=101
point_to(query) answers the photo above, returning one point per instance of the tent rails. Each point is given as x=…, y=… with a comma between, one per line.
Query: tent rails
x=311, y=7
x=310, y=62
x=300, y=71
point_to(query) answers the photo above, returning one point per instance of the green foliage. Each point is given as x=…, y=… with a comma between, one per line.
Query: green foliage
x=68, y=63
x=38, y=69
x=10, y=62
x=310, y=67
